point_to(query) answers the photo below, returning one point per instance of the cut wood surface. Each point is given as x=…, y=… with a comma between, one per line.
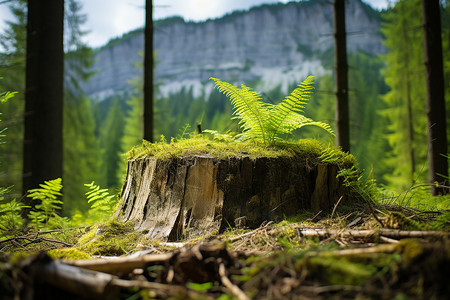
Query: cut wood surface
x=196, y=195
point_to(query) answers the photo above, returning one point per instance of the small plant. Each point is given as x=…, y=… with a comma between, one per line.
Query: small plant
x=102, y=201
x=45, y=213
x=265, y=121
x=10, y=218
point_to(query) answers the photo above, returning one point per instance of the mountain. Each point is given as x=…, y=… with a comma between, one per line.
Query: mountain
x=271, y=44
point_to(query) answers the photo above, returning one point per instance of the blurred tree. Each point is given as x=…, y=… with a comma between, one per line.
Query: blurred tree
x=404, y=74
x=148, y=115
x=111, y=133
x=437, y=135
x=43, y=143
x=81, y=146
x=12, y=68
x=340, y=48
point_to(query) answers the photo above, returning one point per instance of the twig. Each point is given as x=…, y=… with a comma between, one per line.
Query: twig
x=335, y=206
x=392, y=233
x=13, y=239
x=235, y=290
x=250, y=232
x=388, y=240
x=121, y=264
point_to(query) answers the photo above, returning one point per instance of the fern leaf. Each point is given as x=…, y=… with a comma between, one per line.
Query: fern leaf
x=252, y=112
x=284, y=115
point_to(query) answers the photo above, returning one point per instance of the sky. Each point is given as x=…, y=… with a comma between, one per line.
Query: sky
x=107, y=19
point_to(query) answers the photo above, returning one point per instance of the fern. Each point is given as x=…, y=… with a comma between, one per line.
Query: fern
x=10, y=218
x=45, y=214
x=102, y=201
x=264, y=121
x=248, y=107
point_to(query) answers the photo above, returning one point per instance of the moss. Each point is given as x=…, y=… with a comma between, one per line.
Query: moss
x=89, y=236
x=397, y=220
x=339, y=271
x=110, y=239
x=308, y=149
x=68, y=253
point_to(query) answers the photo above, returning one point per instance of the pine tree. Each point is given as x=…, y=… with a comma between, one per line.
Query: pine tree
x=110, y=141
x=405, y=101
x=12, y=68
x=81, y=146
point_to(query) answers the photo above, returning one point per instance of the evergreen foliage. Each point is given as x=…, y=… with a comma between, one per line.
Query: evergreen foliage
x=81, y=145
x=405, y=102
x=265, y=121
x=110, y=138
x=12, y=68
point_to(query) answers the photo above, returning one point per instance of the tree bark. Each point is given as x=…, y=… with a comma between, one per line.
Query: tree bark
x=340, y=48
x=437, y=132
x=195, y=195
x=147, y=126
x=43, y=147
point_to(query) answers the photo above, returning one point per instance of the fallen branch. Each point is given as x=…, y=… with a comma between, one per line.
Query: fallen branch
x=34, y=240
x=121, y=264
x=235, y=290
x=390, y=233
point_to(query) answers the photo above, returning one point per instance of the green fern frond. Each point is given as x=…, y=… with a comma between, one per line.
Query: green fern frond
x=103, y=202
x=248, y=107
x=48, y=194
x=265, y=121
x=287, y=111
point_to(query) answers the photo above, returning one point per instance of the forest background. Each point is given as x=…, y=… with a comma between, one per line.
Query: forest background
x=387, y=100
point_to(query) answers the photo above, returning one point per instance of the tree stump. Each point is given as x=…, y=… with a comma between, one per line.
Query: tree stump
x=194, y=195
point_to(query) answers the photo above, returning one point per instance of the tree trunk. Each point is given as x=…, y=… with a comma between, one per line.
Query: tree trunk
x=42, y=156
x=437, y=132
x=147, y=129
x=340, y=48
x=191, y=196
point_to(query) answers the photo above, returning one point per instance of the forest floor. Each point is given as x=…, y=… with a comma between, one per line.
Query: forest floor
x=384, y=253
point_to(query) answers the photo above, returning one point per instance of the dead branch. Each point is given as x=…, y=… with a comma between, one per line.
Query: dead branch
x=121, y=264
x=366, y=234
x=235, y=290
x=34, y=240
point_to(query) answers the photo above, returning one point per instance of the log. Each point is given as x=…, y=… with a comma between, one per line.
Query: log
x=184, y=197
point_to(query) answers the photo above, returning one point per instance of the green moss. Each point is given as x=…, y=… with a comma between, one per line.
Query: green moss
x=110, y=239
x=68, y=253
x=308, y=149
x=397, y=220
x=339, y=271
x=89, y=236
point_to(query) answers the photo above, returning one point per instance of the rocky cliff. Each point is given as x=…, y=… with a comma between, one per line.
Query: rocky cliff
x=279, y=44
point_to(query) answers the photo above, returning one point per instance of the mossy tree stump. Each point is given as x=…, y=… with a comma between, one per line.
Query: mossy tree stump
x=193, y=195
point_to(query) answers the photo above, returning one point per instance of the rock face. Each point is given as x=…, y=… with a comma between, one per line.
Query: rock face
x=193, y=196
x=278, y=43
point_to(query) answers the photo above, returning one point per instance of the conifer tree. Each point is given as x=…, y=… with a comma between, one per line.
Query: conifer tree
x=110, y=142
x=404, y=74
x=81, y=146
x=12, y=69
